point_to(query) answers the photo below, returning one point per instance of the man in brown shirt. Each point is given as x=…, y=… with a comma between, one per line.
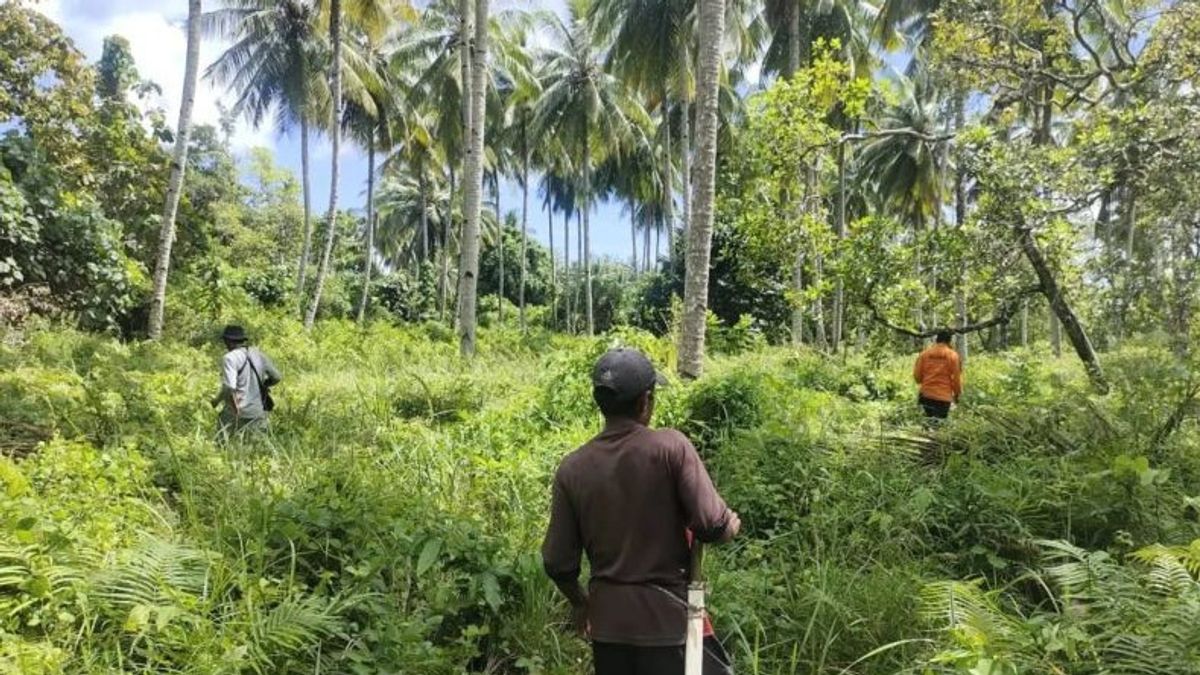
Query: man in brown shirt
x=628, y=499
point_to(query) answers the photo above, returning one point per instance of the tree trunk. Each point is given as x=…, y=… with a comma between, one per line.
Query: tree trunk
x=818, y=311
x=570, y=318
x=369, y=258
x=473, y=190
x=553, y=267
x=166, y=235
x=646, y=250
x=1024, y=323
x=685, y=142
x=793, y=35
x=499, y=246
x=798, y=309
x=960, y=221
x=1130, y=216
x=464, y=65
x=839, y=293
x=447, y=230
x=579, y=263
x=587, y=236
x=700, y=232
x=1055, y=334
x=633, y=236
x=524, y=221
x=1062, y=310
x=335, y=135
x=423, y=188
x=306, y=251
x=668, y=169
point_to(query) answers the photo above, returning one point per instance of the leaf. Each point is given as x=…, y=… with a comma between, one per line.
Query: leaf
x=429, y=554
x=491, y=591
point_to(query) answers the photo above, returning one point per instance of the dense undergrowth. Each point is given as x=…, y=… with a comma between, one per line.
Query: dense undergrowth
x=392, y=521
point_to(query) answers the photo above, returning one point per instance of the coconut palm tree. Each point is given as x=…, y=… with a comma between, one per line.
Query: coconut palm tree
x=586, y=107
x=909, y=170
x=468, y=273
x=178, y=164
x=274, y=65
x=651, y=53
x=795, y=25
x=370, y=18
x=419, y=155
x=371, y=120
x=335, y=135
x=695, y=292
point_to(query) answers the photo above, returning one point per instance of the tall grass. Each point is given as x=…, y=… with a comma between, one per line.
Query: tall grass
x=391, y=520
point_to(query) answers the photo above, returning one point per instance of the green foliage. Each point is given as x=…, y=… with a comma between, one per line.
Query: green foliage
x=391, y=520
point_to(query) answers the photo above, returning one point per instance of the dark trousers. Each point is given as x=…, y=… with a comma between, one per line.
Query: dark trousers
x=615, y=659
x=932, y=408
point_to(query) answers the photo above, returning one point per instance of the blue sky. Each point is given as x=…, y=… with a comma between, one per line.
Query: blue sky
x=154, y=29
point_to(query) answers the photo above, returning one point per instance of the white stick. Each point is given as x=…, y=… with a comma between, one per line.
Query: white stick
x=694, y=652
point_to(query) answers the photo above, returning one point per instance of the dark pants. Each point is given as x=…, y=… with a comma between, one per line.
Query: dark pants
x=615, y=659
x=932, y=408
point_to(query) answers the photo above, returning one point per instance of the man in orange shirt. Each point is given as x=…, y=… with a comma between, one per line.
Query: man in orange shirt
x=939, y=372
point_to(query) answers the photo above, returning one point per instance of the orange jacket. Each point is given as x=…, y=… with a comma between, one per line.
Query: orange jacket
x=939, y=372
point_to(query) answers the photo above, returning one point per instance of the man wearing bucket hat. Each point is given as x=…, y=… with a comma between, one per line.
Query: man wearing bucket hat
x=632, y=499
x=246, y=378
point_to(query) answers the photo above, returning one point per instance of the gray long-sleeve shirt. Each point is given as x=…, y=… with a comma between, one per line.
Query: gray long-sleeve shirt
x=240, y=387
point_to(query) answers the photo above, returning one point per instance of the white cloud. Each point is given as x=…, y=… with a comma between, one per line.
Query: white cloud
x=158, y=41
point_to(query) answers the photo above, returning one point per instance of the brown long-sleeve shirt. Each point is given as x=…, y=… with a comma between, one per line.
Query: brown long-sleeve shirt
x=627, y=498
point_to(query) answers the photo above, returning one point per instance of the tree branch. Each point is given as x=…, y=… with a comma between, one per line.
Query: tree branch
x=888, y=133
x=1003, y=315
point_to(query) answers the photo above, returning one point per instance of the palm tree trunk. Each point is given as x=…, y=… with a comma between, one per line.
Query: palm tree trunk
x=570, y=319
x=587, y=235
x=447, y=232
x=166, y=235
x=335, y=135
x=633, y=236
x=553, y=266
x=700, y=232
x=668, y=170
x=579, y=263
x=524, y=221
x=422, y=189
x=685, y=143
x=469, y=266
x=369, y=254
x=499, y=245
x=306, y=250
x=464, y=64
x=646, y=250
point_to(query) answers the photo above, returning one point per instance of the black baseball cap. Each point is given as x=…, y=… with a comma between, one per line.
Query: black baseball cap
x=627, y=373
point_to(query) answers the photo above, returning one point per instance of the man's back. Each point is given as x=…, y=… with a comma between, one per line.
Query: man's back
x=627, y=498
x=939, y=372
x=241, y=372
